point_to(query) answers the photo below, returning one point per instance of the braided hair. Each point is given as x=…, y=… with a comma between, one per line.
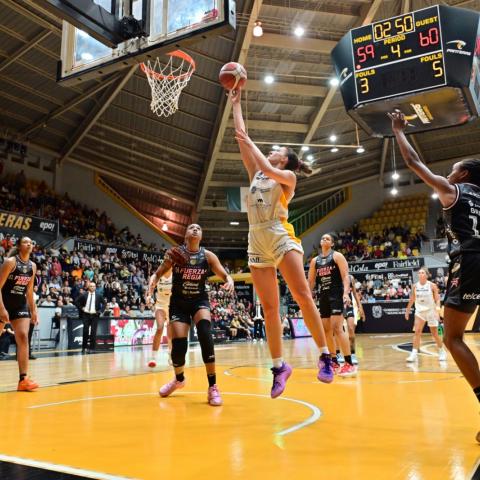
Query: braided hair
x=472, y=166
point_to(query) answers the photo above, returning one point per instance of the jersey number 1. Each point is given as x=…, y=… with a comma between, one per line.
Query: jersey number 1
x=474, y=220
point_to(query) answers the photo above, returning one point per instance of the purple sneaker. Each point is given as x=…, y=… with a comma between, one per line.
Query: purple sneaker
x=214, y=398
x=280, y=377
x=170, y=387
x=325, y=370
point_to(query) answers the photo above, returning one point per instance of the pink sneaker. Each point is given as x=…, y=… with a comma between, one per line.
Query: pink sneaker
x=170, y=387
x=348, y=371
x=214, y=398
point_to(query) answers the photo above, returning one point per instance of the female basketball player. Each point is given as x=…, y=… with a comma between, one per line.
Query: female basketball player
x=189, y=302
x=328, y=272
x=272, y=243
x=459, y=194
x=162, y=301
x=351, y=316
x=17, y=306
x=427, y=303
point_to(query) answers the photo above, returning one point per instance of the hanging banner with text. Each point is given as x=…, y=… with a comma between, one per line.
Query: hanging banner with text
x=124, y=253
x=411, y=263
x=17, y=225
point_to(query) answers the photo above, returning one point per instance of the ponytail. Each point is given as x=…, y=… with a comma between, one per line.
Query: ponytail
x=295, y=164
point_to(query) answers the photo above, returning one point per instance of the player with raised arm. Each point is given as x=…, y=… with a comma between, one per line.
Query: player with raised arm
x=191, y=264
x=272, y=244
x=459, y=195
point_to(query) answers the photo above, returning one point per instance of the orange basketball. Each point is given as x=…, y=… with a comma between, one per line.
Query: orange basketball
x=232, y=76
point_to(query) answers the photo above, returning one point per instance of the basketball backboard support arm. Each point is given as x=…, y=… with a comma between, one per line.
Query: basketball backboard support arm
x=90, y=17
x=167, y=25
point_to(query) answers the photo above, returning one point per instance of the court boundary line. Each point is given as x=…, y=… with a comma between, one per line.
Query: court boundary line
x=317, y=413
x=56, y=467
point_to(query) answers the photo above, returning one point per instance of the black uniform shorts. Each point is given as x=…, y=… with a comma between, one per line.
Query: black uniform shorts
x=349, y=312
x=329, y=306
x=463, y=286
x=183, y=310
x=17, y=310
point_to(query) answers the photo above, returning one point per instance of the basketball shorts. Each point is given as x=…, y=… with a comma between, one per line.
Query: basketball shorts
x=349, y=312
x=329, y=306
x=161, y=306
x=463, y=286
x=16, y=310
x=268, y=243
x=430, y=316
x=183, y=310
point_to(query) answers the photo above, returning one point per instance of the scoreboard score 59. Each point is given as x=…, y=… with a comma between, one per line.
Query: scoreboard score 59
x=388, y=64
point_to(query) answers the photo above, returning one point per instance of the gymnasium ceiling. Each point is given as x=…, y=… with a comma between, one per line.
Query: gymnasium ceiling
x=178, y=168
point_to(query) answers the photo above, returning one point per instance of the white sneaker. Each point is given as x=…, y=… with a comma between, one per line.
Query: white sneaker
x=442, y=355
x=340, y=358
x=354, y=359
x=412, y=357
x=152, y=363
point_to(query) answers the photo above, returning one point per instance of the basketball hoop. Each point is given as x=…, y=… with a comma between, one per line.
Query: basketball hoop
x=168, y=81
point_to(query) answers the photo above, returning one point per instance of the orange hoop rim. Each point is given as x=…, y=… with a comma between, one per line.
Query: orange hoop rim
x=177, y=54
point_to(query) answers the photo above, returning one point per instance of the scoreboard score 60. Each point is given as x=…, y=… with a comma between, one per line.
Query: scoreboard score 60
x=424, y=62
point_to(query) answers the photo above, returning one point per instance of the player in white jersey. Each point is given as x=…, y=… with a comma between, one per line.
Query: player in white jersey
x=272, y=244
x=160, y=308
x=427, y=305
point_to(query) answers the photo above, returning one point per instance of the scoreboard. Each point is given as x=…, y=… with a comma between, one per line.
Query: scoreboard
x=425, y=63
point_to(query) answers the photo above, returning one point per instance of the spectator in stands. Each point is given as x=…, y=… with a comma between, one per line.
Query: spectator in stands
x=7, y=337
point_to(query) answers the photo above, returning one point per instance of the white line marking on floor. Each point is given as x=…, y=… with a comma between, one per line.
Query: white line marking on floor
x=61, y=468
x=316, y=412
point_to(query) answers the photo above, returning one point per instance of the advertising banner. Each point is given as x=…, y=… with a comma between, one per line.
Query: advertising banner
x=125, y=253
x=17, y=225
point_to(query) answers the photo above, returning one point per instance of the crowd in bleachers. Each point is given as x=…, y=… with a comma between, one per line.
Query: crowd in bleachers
x=17, y=194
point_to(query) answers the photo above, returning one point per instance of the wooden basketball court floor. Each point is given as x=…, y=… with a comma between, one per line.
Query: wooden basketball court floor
x=100, y=416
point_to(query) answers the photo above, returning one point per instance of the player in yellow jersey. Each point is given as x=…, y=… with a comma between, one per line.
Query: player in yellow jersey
x=272, y=244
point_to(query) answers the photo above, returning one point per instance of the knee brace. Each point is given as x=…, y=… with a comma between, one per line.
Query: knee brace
x=206, y=341
x=179, y=351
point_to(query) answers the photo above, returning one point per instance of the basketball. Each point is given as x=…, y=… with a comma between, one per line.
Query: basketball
x=232, y=75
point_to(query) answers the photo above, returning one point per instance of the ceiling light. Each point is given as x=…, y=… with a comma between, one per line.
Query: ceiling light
x=276, y=147
x=309, y=157
x=333, y=138
x=165, y=227
x=394, y=191
x=334, y=82
x=269, y=79
x=257, y=29
x=305, y=148
x=395, y=176
x=299, y=31
x=234, y=223
x=435, y=195
x=360, y=149
x=334, y=150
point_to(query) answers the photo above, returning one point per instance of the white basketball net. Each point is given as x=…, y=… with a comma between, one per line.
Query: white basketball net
x=167, y=82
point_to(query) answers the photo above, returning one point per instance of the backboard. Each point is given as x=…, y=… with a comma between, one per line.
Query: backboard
x=171, y=24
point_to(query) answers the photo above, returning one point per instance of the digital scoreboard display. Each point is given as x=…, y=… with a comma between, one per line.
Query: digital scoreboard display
x=425, y=63
x=400, y=55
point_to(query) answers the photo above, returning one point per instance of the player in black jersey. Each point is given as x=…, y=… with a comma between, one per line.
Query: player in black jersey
x=17, y=306
x=189, y=302
x=459, y=195
x=328, y=274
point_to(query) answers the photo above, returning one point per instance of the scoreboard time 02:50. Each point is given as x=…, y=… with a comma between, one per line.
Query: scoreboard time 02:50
x=398, y=56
